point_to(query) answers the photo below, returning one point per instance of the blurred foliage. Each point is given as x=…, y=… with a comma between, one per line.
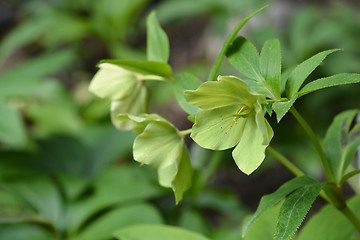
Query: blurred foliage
x=66, y=173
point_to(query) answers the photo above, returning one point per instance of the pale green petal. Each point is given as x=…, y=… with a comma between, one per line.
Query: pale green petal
x=250, y=152
x=228, y=90
x=135, y=104
x=215, y=129
x=182, y=171
x=142, y=120
x=113, y=82
x=263, y=124
x=160, y=146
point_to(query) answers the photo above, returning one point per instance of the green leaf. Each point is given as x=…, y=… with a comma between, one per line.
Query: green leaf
x=185, y=81
x=43, y=196
x=12, y=129
x=336, y=80
x=226, y=45
x=330, y=224
x=243, y=55
x=340, y=143
x=270, y=65
x=23, y=34
x=294, y=209
x=24, y=232
x=270, y=200
x=104, y=226
x=228, y=90
x=151, y=70
x=264, y=227
x=25, y=78
x=156, y=232
x=303, y=70
x=157, y=48
x=281, y=108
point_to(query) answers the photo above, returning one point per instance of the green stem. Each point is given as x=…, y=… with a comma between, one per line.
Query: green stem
x=294, y=169
x=284, y=161
x=185, y=132
x=349, y=214
x=215, y=69
x=316, y=143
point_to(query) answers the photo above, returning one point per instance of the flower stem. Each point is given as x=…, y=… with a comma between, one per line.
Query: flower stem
x=316, y=143
x=185, y=132
x=349, y=214
x=284, y=161
x=215, y=69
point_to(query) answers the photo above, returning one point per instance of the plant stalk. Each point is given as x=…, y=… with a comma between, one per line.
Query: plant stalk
x=349, y=214
x=284, y=161
x=316, y=143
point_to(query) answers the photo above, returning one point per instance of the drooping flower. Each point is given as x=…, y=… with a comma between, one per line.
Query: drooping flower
x=230, y=115
x=160, y=145
x=126, y=90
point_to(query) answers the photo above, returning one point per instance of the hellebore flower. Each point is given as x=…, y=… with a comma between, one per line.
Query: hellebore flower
x=160, y=145
x=126, y=90
x=230, y=115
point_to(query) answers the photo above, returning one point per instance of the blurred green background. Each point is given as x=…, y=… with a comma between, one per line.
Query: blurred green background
x=67, y=173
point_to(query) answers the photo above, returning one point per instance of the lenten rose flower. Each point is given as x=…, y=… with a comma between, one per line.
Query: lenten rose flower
x=229, y=116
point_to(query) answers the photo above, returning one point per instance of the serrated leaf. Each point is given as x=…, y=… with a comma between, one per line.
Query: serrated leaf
x=156, y=232
x=303, y=70
x=243, y=55
x=340, y=143
x=336, y=80
x=294, y=209
x=270, y=200
x=157, y=48
x=281, y=108
x=330, y=224
x=153, y=70
x=185, y=81
x=226, y=45
x=270, y=65
x=264, y=227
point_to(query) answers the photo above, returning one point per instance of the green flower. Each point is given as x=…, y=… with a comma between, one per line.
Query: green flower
x=230, y=115
x=160, y=145
x=126, y=90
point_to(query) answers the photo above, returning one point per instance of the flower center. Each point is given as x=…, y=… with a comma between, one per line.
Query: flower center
x=242, y=112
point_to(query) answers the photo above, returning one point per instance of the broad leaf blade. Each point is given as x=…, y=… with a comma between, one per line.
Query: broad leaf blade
x=144, y=67
x=270, y=65
x=281, y=108
x=156, y=232
x=12, y=129
x=243, y=55
x=25, y=78
x=339, y=144
x=185, y=81
x=336, y=80
x=294, y=209
x=303, y=70
x=157, y=42
x=270, y=200
x=103, y=227
x=330, y=224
